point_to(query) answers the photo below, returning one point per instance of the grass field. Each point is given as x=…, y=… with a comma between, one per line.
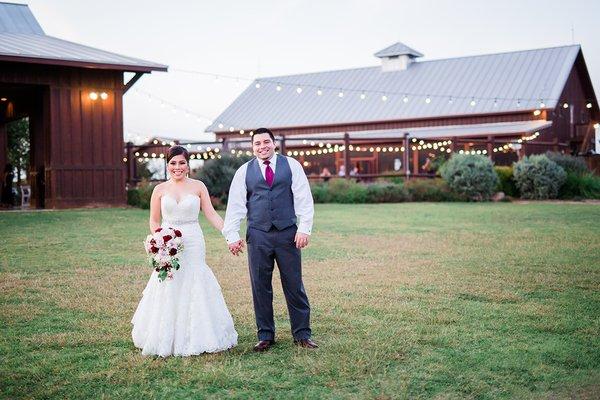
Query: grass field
x=485, y=301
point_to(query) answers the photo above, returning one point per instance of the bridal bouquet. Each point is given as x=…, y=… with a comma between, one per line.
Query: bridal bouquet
x=164, y=247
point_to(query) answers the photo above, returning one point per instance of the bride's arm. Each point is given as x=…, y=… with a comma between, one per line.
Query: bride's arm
x=155, y=209
x=208, y=209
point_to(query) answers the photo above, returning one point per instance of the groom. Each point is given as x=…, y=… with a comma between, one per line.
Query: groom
x=271, y=191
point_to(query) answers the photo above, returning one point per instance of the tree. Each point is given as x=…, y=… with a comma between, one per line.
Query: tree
x=19, y=145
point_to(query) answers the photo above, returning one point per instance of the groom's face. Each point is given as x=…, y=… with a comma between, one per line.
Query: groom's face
x=263, y=146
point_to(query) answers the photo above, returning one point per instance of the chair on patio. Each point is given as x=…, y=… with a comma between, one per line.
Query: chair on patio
x=25, y=196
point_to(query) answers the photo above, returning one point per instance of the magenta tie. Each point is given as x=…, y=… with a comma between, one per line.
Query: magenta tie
x=269, y=175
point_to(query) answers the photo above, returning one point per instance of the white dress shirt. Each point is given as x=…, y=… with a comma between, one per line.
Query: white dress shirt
x=236, y=204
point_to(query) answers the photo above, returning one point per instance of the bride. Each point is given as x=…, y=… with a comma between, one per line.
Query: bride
x=186, y=315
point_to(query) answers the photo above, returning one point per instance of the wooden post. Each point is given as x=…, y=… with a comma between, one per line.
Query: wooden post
x=555, y=145
x=130, y=164
x=416, y=161
x=347, y=155
x=282, y=145
x=225, y=145
x=3, y=146
x=406, y=156
x=490, y=146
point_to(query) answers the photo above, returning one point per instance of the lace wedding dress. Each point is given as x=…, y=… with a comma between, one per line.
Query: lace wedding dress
x=186, y=315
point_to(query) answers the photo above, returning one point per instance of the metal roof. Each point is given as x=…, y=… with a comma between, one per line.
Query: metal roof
x=23, y=40
x=497, y=83
x=397, y=49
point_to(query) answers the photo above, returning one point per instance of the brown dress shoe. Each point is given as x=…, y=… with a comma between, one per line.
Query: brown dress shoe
x=263, y=345
x=306, y=343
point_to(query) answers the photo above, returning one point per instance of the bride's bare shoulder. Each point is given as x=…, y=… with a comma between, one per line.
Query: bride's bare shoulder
x=196, y=183
x=160, y=188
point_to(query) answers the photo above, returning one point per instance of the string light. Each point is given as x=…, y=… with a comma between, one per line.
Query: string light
x=588, y=105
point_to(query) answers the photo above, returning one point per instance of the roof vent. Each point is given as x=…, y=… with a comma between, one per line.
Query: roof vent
x=397, y=57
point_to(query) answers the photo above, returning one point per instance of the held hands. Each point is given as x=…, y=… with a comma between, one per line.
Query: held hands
x=236, y=247
x=301, y=240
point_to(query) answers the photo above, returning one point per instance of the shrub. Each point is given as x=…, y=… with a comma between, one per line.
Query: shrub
x=382, y=192
x=347, y=191
x=140, y=195
x=580, y=186
x=430, y=190
x=320, y=192
x=133, y=197
x=470, y=175
x=217, y=174
x=538, y=177
x=570, y=164
x=506, y=181
x=145, y=189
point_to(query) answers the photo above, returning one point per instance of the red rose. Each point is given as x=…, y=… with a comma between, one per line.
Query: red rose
x=166, y=238
x=154, y=249
x=173, y=252
x=152, y=242
x=177, y=233
x=158, y=230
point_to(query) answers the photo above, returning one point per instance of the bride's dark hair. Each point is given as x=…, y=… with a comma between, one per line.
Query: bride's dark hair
x=176, y=151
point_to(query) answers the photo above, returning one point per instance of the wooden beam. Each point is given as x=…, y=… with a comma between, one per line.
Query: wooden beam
x=347, y=155
x=587, y=138
x=132, y=81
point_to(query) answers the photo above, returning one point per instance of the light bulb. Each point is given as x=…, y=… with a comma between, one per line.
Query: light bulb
x=588, y=105
x=93, y=95
x=363, y=96
x=405, y=99
x=257, y=85
x=472, y=103
x=278, y=88
x=565, y=105
x=104, y=96
x=298, y=90
x=384, y=98
x=427, y=100
x=340, y=94
x=319, y=92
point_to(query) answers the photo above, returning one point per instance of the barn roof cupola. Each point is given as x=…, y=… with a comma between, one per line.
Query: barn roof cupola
x=397, y=57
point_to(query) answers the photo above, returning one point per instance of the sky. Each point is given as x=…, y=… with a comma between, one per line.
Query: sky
x=263, y=38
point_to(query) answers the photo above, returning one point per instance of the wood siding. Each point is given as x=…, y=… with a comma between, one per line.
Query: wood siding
x=77, y=142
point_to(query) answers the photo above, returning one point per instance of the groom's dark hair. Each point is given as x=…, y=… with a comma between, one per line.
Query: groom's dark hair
x=264, y=130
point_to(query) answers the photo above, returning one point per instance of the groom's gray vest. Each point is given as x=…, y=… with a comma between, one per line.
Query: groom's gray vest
x=270, y=206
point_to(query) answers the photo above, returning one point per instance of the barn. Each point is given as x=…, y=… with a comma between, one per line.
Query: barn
x=72, y=96
x=391, y=117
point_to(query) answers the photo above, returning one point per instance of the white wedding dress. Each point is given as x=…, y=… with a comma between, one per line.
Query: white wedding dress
x=186, y=315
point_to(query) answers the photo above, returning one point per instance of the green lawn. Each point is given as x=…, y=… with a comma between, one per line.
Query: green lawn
x=409, y=301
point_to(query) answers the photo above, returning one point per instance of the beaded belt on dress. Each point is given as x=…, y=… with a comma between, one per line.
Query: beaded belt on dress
x=179, y=222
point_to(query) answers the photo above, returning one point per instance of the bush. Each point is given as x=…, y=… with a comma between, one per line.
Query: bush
x=217, y=174
x=538, y=177
x=133, y=197
x=320, y=192
x=580, y=186
x=347, y=191
x=570, y=164
x=383, y=192
x=430, y=190
x=140, y=195
x=470, y=175
x=506, y=181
